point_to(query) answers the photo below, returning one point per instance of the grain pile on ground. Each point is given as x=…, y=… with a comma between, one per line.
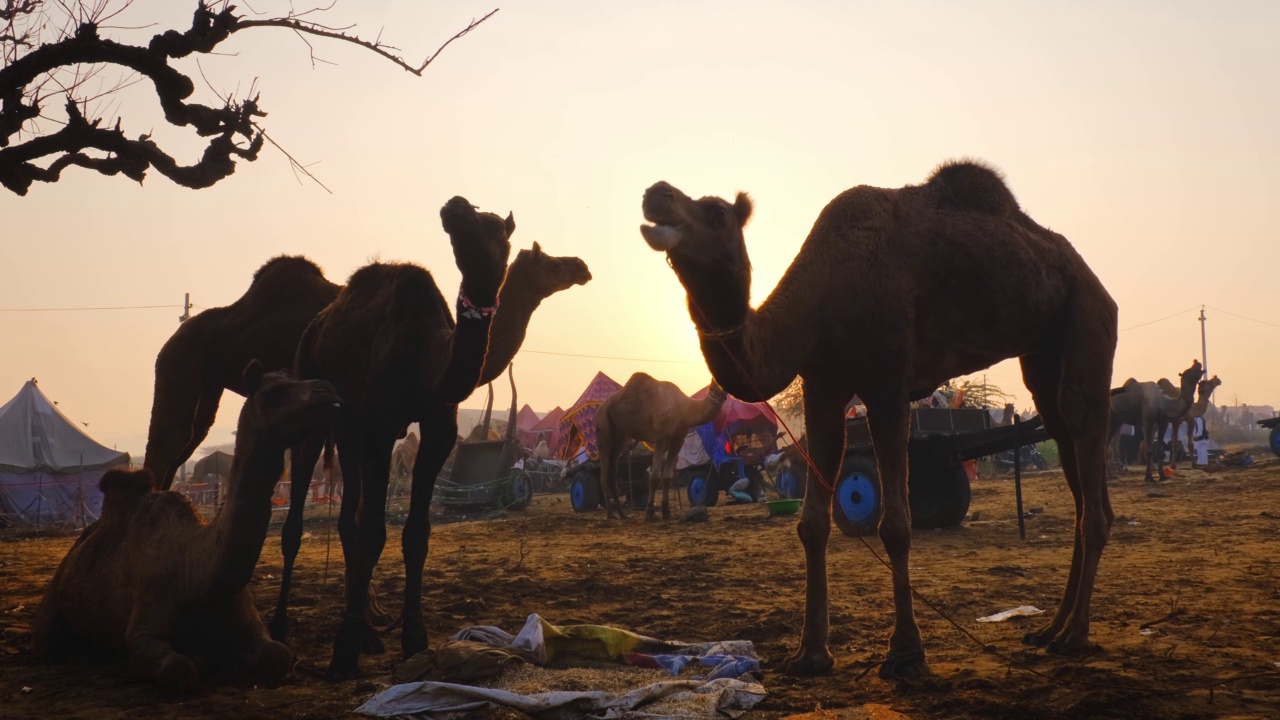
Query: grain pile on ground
x=1210, y=541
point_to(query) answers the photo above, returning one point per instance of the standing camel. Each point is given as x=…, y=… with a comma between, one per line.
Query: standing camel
x=1146, y=407
x=893, y=293
x=1204, y=391
x=208, y=352
x=532, y=277
x=656, y=412
x=150, y=578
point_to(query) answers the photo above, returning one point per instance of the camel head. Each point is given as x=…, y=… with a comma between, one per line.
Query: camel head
x=545, y=275
x=283, y=410
x=1189, y=379
x=704, y=243
x=1208, y=386
x=481, y=245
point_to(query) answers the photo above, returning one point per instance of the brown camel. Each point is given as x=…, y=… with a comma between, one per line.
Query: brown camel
x=1145, y=406
x=390, y=345
x=1205, y=390
x=532, y=277
x=208, y=352
x=656, y=412
x=893, y=293
x=152, y=579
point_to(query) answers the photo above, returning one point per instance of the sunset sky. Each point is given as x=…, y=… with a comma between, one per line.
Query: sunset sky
x=1147, y=133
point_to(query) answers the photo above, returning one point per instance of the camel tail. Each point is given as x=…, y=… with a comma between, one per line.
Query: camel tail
x=123, y=482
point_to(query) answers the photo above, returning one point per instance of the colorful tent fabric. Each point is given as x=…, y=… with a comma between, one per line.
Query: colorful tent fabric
x=549, y=428
x=735, y=417
x=580, y=418
x=526, y=419
x=49, y=468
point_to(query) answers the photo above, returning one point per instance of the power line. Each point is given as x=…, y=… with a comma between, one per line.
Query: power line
x=1242, y=317
x=76, y=309
x=1153, y=322
x=611, y=357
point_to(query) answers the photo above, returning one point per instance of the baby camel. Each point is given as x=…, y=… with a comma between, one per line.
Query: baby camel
x=656, y=412
x=152, y=579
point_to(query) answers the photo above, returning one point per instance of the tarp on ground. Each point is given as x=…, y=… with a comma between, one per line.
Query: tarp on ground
x=549, y=427
x=756, y=421
x=579, y=421
x=49, y=467
x=526, y=419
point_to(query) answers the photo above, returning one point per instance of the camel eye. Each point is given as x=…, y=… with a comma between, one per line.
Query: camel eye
x=715, y=214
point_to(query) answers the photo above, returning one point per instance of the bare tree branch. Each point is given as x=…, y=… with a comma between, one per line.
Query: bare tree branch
x=78, y=54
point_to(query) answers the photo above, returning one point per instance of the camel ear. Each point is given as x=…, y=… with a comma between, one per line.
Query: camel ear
x=511, y=224
x=537, y=249
x=253, y=376
x=742, y=208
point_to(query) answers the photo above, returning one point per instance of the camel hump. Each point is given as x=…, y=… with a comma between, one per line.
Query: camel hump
x=137, y=482
x=287, y=265
x=971, y=185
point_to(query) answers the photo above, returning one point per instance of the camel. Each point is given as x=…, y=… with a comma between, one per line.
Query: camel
x=893, y=293
x=1146, y=407
x=208, y=352
x=656, y=412
x=152, y=579
x=1205, y=390
x=532, y=277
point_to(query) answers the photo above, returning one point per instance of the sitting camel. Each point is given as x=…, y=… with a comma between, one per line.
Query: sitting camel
x=656, y=412
x=1146, y=407
x=152, y=579
x=893, y=293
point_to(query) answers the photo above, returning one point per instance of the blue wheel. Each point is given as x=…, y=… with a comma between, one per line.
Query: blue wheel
x=584, y=492
x=790, y=485
x=519, y=494
x=1275, y=440
x=857, y=497
x=701, y=491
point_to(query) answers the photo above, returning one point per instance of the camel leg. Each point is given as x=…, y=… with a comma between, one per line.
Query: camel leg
x=608, y=447
x=1082, y=403
x=355, y=632
x=179, y=388
x=824, y=419
x=890, y=425
x=206, y=413
x=668, y=471
x=150, y=655
x=268, y=660
x=302, y=463
x=1149, y=429
x=439, y=433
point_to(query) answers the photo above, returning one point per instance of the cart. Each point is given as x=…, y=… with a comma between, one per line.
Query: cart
x=1273, y=440
x=482, y=475
x=942, y=439
x=631, y=476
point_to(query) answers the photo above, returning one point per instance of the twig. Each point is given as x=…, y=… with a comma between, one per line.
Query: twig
x=1167, y=617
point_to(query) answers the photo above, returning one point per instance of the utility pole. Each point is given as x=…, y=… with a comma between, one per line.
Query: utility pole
x=1204, y=347
x=186, y=310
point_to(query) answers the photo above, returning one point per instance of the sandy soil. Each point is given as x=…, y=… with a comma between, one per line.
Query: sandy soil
x=1205, y=543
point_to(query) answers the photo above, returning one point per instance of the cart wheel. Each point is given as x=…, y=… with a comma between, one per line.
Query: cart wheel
x=702, y=489
x=1274, y=440
x=584, y=492
x=790, y=485
x=519, y=493
x=939, y=495
x=857, y=497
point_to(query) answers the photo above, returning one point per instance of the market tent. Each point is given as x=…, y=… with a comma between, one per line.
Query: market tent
x=740, y=429
x=549, y=427
x=49, y=468
x=526, y=419
x=578, y=426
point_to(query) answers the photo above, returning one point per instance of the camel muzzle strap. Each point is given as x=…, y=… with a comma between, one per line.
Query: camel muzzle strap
x=471, y=311
x=722, y=334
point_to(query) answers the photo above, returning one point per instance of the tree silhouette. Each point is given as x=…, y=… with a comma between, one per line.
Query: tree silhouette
x=52, y=50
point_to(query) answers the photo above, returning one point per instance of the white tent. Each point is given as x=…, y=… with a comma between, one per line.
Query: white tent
x=49, y=469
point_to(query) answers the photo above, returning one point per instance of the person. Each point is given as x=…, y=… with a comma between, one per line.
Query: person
x=542, y=451
x=740, y=491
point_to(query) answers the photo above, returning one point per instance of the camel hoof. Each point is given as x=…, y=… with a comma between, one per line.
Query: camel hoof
x=413, y=637
x=1072, y=645
x=279, y=627
x=342, y=667
x=272, y=661
x=650, y=517
x=904, y=666
x=804, y=665
x=1041, y=637
x=176, y=676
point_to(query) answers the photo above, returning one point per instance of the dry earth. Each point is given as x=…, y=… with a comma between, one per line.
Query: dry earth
x=1205, y=544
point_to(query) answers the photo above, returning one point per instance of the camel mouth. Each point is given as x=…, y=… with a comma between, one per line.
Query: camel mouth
x=661, y=237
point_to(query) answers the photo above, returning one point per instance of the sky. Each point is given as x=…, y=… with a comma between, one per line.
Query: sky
x=1145, y=132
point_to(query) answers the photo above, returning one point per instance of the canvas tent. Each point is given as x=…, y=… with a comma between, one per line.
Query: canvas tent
x=526, y=420
x=740, y=429
x=549, y=428
x=49, y=468
x=578, y=426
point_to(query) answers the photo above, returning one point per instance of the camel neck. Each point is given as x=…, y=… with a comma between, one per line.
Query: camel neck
x=708, y=407
x=234, y=539
x=466, y=357
x=516, y=305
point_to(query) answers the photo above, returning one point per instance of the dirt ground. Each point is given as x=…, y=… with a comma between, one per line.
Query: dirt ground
x=1206, y=544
